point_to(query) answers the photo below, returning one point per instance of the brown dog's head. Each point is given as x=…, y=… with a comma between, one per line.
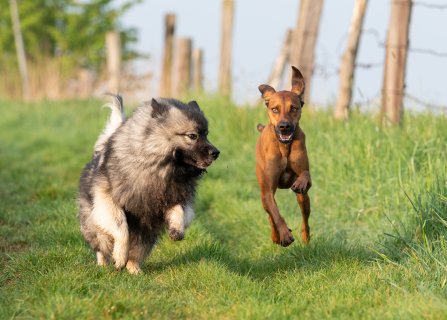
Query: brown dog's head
x=284, y=107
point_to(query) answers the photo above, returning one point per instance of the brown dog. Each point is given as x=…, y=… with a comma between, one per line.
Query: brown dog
x=281, y=157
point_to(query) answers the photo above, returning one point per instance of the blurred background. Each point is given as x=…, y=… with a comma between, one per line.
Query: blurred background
x=68, y=47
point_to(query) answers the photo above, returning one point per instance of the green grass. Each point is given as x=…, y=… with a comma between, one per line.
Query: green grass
x=378, y=225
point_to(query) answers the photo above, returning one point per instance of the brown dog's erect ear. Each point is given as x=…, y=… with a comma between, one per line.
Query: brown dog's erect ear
x=267, y=92
x=297, y=82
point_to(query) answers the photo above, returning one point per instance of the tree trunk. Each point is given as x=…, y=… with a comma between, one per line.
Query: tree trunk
x=395, y=61
x=113, y=48
x=281, y=60
x=20, y=49
x=166, y=72
x=305, y=40
x=183, y=70
x=226, y=48
x=348, y=61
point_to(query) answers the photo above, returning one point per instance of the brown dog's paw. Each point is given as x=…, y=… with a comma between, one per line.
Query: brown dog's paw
x=176, y=235
x=301, y=185
x=286, y=239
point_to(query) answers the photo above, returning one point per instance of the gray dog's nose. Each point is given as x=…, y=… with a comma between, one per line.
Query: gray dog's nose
x=214, y=153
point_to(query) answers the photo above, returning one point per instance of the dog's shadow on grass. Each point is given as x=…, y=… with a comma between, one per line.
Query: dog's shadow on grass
x=321, y=254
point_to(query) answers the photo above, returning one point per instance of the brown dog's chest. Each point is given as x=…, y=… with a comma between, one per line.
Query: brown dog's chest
x=286, y=179
x=287, y=175
x=289, y=163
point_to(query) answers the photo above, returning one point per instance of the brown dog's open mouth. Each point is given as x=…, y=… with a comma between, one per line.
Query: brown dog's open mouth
x=285, y=137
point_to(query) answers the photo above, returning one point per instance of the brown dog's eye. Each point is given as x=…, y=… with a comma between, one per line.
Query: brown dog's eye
x=275, y=110
x=192, y=136
x=294, y=109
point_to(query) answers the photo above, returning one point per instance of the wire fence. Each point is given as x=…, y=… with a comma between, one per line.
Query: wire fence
x=326, y=72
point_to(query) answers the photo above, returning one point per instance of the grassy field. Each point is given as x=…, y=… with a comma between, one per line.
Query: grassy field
x=378, y=225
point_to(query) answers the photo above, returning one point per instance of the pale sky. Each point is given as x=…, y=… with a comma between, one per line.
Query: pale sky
x=259, y=30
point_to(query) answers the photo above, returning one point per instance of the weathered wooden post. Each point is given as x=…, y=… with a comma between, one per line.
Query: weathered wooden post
x=395, y=61
x=348, y=61
x=86, y=81
x=305, y=39
x=226, y=47
x=197, y=58
x=113, y=48
x=168, y=54
x=20, y=49
x=183, y=67
x=280, y=63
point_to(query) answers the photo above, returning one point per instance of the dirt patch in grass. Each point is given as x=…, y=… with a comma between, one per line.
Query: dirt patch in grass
x=15, y=246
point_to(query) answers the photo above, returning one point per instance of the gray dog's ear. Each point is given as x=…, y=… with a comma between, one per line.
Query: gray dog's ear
x=267, y=92
x=297, y=82
x=194, y=104
x=158, y=110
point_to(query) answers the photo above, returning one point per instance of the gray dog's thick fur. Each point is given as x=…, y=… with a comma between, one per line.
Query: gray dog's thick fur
x=142, y=177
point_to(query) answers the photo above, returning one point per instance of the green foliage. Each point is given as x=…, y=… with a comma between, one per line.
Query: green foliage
x=431, y=210
x=73, y=31
x=227, y=267
x=422, y=246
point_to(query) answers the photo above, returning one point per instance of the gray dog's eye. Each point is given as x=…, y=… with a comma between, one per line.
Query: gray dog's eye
x=192, y=136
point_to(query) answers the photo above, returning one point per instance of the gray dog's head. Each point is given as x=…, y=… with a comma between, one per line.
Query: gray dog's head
x=186, y=129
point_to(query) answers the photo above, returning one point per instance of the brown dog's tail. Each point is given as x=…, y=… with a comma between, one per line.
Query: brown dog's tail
x=260, y=127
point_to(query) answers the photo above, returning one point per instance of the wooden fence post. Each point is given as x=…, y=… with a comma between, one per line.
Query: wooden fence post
x=183, y=67
x=281, y=60
x=305, y=40
x=113, y=48
x=197, y=57
x=395, y=61
x=348, y=61
x=20, y=49
x=168, y=54
x=86, y=82
x=226, y=48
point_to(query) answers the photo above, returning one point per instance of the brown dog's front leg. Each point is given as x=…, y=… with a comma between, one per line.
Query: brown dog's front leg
x=304, y=203
x=302, y=184
x=269, y=204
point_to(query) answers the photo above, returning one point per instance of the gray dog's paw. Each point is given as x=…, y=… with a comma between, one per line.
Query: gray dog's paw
x=176, y=235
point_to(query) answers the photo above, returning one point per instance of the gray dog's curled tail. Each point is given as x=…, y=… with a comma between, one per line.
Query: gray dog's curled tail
x=117, y=117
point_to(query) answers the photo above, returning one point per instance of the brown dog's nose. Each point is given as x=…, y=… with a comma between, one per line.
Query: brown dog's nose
x=285, y=126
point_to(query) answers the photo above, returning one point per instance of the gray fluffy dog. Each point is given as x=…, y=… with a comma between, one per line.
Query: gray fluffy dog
x=142, y=179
